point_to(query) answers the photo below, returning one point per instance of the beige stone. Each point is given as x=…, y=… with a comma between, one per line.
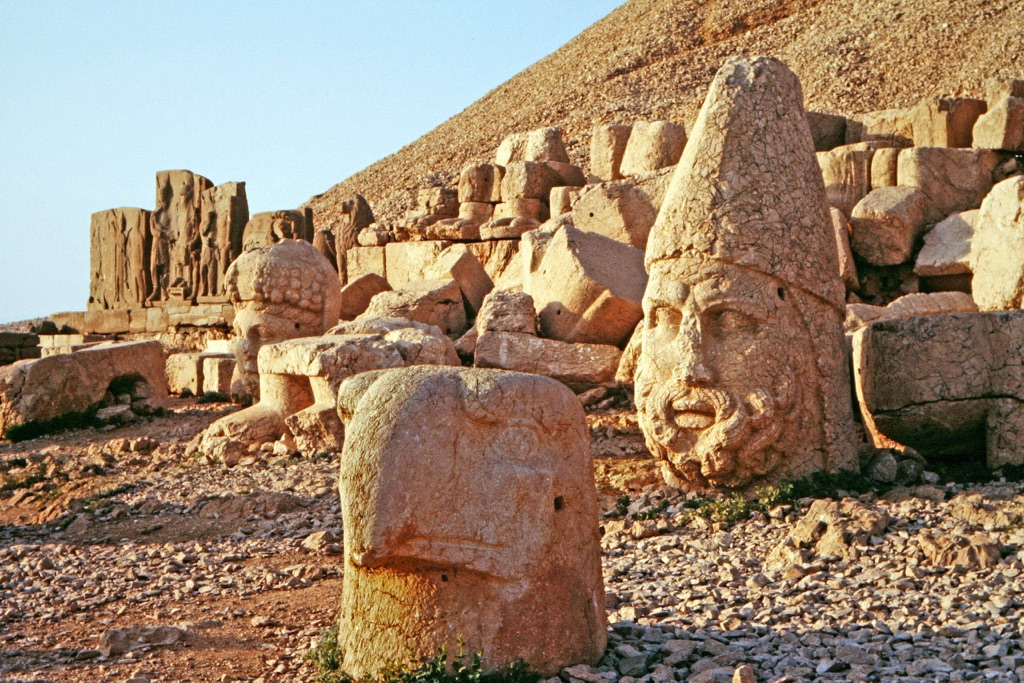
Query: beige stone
x=458, y=263
x=945, y=385
x=947, y=246
x=416, y=343
x=525, y=207
x=743, y=375
x=895, y=126
x=507, y=228
x=998, y=248
x=951, y=179
x=118, y=259
x=652, y=145
x=495, y=256
x=543, y=144
x=578, y=366
x=408, y=261
x=607, y=145
x=847, y=172
x=587, y=288
x=175, y=232
x=1002, y=127
x=185, y=373
x=364, y=260
x=44, y=389
x=432, y=302
x=224, y=213
x=480, y=212
x=997, y=89
x=279, y=292
x=454, y=229
x=827, y=130
x=511, y=567
x=270, y=227
x=884, y=164
x=505, y=311
x=908, y=306
x=217, y=372
x=630, y=357
x=945, y=121
x=529, y=180
x=354, y=216
x=373, y=237
x=356, y=295
x=480, y=183
x=623, y=210
x=847, y=266
x=562, y=198
x=887, y=224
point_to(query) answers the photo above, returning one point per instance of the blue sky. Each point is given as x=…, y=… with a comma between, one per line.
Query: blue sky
x=96, y=97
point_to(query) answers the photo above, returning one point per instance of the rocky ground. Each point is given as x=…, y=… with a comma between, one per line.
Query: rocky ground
x=124, y=559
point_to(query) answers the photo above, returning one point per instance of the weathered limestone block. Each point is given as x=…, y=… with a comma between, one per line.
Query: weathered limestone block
x=607, y=145
x=998, y=248
x=505, y=311
x=945, y=385
x=185, y=373
x=623, y=210
x=743, y=375
x=847, y=266
x=562, y=198
x=1002, y=127
x=356, y=295
x=846, y=171
x=884, y=165
x=270, y=227
x=587, y=288
x=432, y=302
x=371, y=236
x=895, y=126
x=458, y=263
x=496, y=257
x=511, y=567
x=279, y=292
x=455, y=229
x=543, y=144
x=887, y=224
x=947, y=246
x=365, y=260
x=480, y=212
x=508, y=228
x=119, y=259
x=946, y=121
x=997, y=89
x=217, y=372
x=354, y=217
x=174, y=259
x=908, y=306
x=418, y=344
x=827, y=130
x=48, y=388
x=522, y=207
x=951, y=179
x=529, y=180
x=652, y=145
x=578, y=366
x=107, y=322
x=223, y=215
x=408, y=261
x=480, y=183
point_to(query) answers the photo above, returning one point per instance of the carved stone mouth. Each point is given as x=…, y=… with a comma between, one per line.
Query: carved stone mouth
x=693, y=415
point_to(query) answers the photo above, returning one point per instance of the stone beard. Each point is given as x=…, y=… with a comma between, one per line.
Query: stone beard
x=726, y=388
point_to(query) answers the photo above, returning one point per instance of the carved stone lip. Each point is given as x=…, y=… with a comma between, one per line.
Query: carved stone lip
x=693, y=415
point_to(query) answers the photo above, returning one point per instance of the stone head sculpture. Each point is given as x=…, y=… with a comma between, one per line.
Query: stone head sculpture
x=279, y=292
x=470, y=516
x=743, y=377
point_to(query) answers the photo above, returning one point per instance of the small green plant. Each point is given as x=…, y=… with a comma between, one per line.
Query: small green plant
x=653, y=512
x=729, y=510
x=771, y=497
x=326, y=657
x=24, y=480
x=622, y=506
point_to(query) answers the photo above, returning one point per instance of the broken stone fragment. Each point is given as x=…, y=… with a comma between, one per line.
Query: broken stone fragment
x=652, y=145
x=886, y=225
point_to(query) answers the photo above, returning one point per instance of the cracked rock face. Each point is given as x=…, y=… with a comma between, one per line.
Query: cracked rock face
x=742, y=377
x=470, y=517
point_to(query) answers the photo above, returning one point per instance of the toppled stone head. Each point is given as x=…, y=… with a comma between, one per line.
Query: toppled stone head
x=470, y=516
x=742, y=377
x=279, y=292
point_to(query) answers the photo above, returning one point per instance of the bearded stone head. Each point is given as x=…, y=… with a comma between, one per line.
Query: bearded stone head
x=279, y=292
x=742, y=377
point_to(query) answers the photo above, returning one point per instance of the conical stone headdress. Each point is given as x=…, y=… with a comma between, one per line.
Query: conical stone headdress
x=748, y=189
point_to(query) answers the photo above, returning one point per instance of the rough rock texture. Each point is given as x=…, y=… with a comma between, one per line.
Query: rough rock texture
x=54, y=386
x=279, y=292
x=623, y=210
x=217, y=372
x=945, y=385
x=947, y=246
x=743, y=374
x=356, y=295
x=586, y=287
x=505, y=311
x=890, y=126
x=460, y=264
x=847, y=174
x=431, y=302
x=847, y=266
x=997, y=249
x=886, y=224
x=270, y=227
x=542, y=144
x=511, y=567
x=118, y=258
x=408, y=261
x=1002, y=127
x=480, y=183
x=951, y=179
x=907, y=306
x=946, y=121
x=607, y=145
x=884, y=167
x=578, y=366
x=417, y=343
x=652, y=145
x=653, y=59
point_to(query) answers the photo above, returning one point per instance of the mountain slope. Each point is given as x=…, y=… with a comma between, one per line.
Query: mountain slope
x=653, y=59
